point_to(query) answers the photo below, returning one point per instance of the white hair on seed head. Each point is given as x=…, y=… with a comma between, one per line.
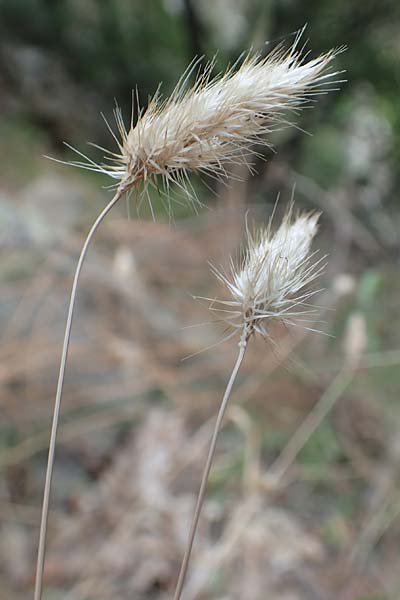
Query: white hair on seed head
x=216, y=121
x=271, y=282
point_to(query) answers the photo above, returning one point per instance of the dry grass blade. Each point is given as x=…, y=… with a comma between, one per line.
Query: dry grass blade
x=206, y=471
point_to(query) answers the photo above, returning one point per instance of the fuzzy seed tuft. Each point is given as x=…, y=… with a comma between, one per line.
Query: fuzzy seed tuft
x=272, y=281
x=217, y=121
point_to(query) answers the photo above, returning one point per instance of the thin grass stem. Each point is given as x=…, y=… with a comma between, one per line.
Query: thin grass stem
x=311, y=422
x=57, y=403
x=207, y=469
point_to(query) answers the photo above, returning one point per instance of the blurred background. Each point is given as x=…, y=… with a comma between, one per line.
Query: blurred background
x=294, y=514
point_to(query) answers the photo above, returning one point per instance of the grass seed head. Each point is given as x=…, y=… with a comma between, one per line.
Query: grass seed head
x=218, y=120
x=271, y=283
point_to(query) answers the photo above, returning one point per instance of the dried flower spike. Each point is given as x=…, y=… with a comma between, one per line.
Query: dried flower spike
x=272, y=280
x=218, y=120
x=268, y=284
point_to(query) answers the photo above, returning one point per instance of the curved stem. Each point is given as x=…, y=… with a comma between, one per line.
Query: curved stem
x=57, y=403
x=207, y=469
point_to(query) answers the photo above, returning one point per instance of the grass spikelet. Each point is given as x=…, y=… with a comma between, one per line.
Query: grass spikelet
x=272, y=280
x=268, y=284
x=215, y=122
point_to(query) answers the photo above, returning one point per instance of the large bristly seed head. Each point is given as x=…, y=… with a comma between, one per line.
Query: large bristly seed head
x=217, y=120
x=272, y=280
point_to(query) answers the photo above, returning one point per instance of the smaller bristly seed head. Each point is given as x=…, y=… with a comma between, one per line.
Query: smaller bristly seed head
x=272, y=281
x=217, y=121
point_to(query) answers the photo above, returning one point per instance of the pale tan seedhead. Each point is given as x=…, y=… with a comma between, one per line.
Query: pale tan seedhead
x=217, y=121
x=272, y=281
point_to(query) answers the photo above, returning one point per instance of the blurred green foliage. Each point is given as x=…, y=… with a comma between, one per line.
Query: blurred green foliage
x=108, y=47
x=111, y=46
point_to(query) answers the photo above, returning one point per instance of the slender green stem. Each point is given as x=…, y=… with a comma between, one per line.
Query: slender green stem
x=57, y=403
x=207, y=469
